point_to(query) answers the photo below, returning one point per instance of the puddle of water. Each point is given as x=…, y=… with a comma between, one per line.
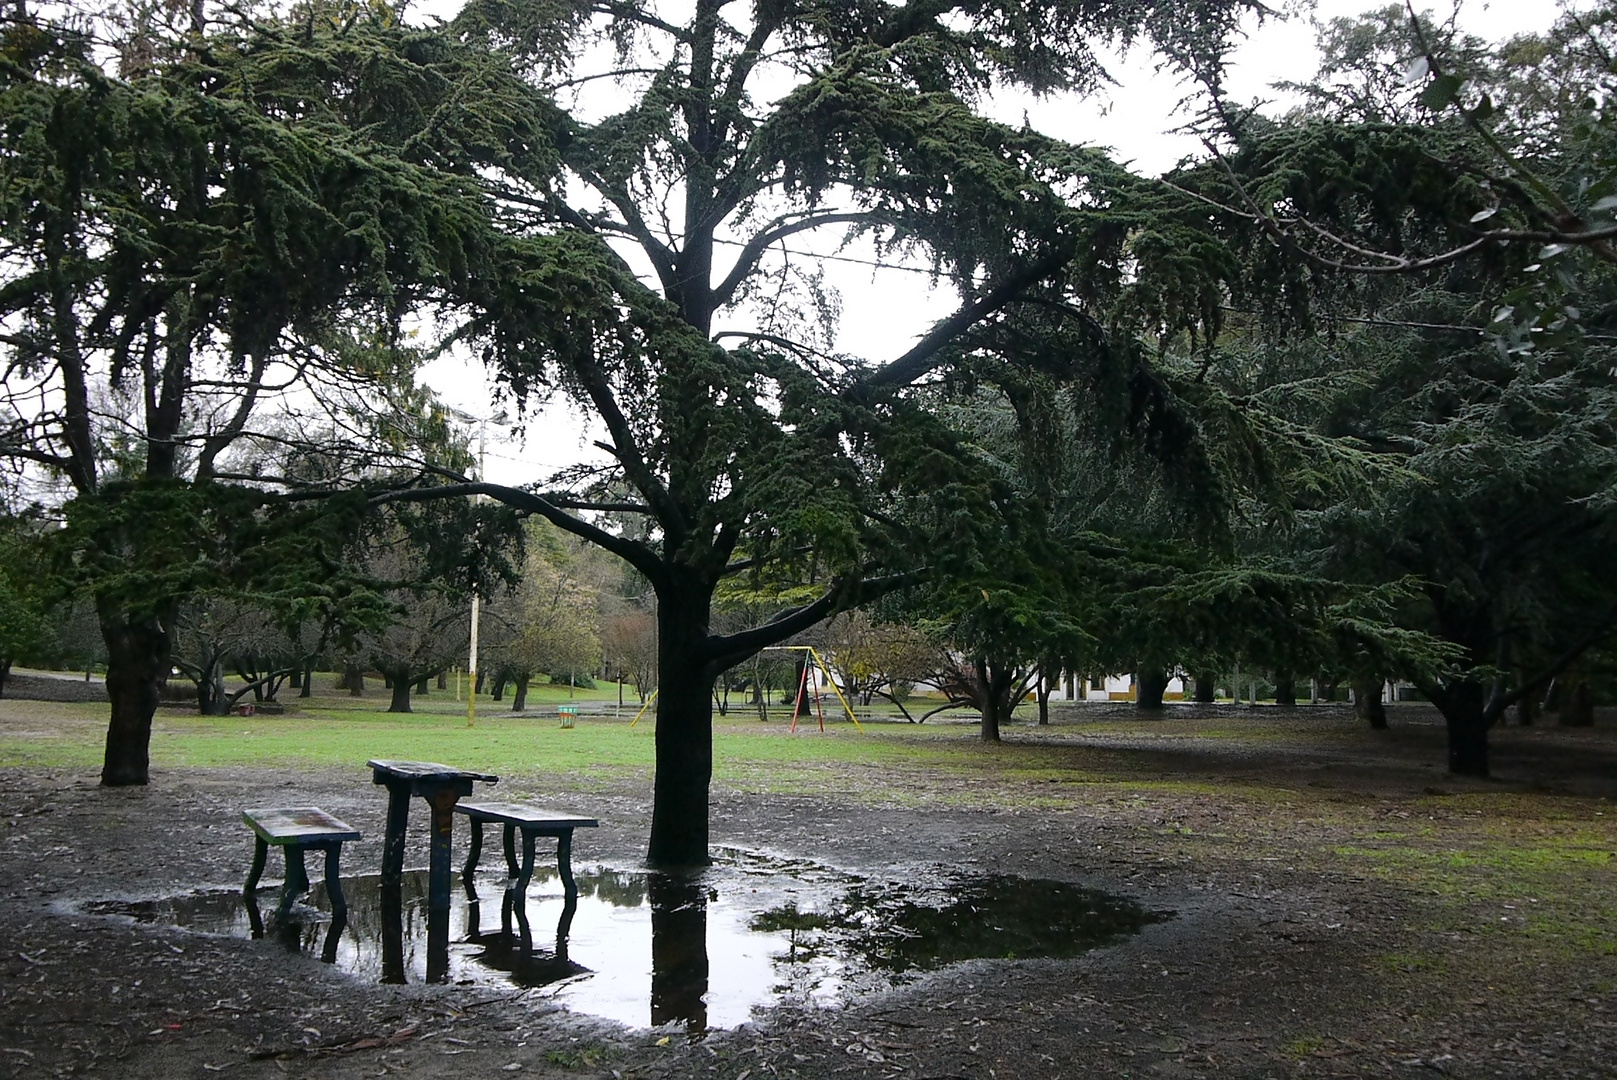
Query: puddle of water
x=656, y=949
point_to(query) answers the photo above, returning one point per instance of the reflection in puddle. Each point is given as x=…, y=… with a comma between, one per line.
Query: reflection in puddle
x=699, y=951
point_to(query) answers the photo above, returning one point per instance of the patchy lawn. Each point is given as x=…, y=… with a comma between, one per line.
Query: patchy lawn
x=1342, y=906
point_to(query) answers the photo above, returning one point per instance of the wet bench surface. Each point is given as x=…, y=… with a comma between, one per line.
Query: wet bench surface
x=533, y=822
x=295, y=829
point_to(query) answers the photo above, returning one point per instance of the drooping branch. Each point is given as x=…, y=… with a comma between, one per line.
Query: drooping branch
x=636, y=554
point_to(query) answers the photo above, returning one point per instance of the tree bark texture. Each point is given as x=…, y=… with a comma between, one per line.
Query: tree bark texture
x=400, y=680
x=1152, y=683
x=684, y=737
x=519, y=700
x=1206, y=688
x=1577, y=704
x=1463, y=705
x=137, y=666
x=1367, y=703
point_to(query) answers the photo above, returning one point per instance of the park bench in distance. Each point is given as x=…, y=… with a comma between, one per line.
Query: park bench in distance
x=294, y=829
x=534, y=821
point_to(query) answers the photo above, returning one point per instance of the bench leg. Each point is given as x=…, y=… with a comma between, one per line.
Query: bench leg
x=564, y=862
x=297, y=878
x=339, y=904
x=474, y=853
x=260, y=853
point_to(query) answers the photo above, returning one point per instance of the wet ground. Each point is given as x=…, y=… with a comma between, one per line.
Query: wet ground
x=694, y=952
x=1339, y=908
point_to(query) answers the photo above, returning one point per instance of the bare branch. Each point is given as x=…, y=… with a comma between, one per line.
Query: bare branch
x=777, y=230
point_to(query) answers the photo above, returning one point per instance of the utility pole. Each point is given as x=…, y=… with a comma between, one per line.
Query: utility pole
x=477, y=600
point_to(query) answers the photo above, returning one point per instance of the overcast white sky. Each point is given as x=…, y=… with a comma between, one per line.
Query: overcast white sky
x=883, y=311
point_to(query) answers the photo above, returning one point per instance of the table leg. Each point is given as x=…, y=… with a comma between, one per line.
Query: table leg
x=260, y=853
x=255, y=919
x=475, y=852
x=442, y=802
x=437, y=944
x=297, y=878
x=328, y=954
x=564, y=861
x=392, y=931
x=528, y=838
x=398, y=818
x=564, y=925
x=512, y=867
x=339, y=903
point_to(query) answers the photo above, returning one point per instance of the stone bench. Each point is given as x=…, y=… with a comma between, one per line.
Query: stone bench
x=532, y=821
x=293, y=830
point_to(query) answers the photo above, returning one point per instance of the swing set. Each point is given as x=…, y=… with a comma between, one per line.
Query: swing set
x=808, y=683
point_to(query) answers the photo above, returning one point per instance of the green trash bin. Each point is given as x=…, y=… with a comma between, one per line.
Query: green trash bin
x=568, y=714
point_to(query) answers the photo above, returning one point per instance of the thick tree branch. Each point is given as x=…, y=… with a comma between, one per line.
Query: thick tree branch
x=216, y=443
x=923, y=357
x=627, y=451
x=730, y=649
x=1603, y=628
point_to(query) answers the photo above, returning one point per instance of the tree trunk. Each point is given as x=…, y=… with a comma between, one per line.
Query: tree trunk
x=684, y=737
x=1367, y=703
x=994, y=686
x=1577, y=703
x=137, y=666
x=307, y=687
x=5, y=674
x=1462, y=706
x=499, y=685
x=1206, y=688
x=421, y=686
x=519, y=700
x=1285, y=688
x=401, y=691
x=679, y=961
x=1153, y=683
x=1043, y=692
x=353, y=677
x=1327, y=690
x=211, y=689
x=443, y=680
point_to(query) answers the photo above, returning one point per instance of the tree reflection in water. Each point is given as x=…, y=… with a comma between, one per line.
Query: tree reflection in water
x=678, y=951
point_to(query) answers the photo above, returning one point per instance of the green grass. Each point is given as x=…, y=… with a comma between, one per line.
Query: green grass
x=332, y=730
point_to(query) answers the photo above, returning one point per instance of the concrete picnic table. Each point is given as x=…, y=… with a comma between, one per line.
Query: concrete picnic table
x=442, y=786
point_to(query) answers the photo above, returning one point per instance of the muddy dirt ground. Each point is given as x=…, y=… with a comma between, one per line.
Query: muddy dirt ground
x=1343, y=908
